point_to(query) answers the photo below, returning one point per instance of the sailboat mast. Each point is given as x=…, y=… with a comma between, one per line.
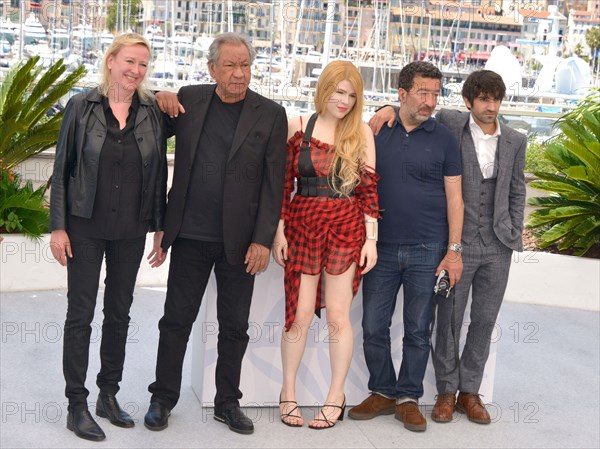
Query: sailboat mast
x=296, y=37
x=420, y=30
x=328, y=32
x=128, y=15
x=388, y=63
x=21, y=30
x=402, y=46
x=230, y=16
x=469, y=35
x=457, y=39
x=441, y=39
x=359, y=33
x=282, y=37
x=376, y=47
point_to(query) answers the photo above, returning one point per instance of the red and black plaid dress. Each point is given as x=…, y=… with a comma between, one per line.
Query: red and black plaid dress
x=322, y=232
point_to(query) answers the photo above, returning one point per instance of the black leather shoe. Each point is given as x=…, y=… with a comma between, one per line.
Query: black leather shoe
x=80, y=421
x=108, y=407
x=157, y=417
x=235, y=420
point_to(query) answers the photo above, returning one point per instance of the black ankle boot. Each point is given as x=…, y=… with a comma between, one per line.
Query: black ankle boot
x=108, y=407
x=80, y=421
x=157, y=417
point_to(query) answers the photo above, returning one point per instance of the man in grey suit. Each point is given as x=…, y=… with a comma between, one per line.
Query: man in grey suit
x=493, y=186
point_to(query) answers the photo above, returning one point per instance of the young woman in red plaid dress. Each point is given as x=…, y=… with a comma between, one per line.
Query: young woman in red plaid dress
x=327, y=233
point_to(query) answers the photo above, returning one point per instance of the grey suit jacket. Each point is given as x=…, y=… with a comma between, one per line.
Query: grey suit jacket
x=509, y=200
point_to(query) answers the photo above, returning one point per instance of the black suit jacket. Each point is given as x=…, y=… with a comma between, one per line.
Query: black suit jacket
x=253, y=186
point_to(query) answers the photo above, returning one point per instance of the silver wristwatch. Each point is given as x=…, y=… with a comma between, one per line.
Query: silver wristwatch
x=456, y=247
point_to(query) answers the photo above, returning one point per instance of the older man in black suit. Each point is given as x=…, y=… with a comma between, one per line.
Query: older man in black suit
x=222, y=213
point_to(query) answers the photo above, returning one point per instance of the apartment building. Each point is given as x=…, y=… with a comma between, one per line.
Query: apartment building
x=468, y=30
x=579, y=23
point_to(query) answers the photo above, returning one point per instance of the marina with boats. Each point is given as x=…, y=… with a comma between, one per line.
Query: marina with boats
x=295, y=39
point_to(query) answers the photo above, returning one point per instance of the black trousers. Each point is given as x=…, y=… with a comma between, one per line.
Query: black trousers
x=191, y=264
x=123, y=259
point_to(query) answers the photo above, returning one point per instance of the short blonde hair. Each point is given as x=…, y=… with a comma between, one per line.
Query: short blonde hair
x=123, y=40
x=350, y=142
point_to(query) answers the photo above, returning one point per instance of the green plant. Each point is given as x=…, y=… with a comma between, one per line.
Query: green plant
x=171, y=145
x=570, y=216
x=592, y=38
x=535, y=159
x=123, y=14
x=22, y=209
x=26, y=95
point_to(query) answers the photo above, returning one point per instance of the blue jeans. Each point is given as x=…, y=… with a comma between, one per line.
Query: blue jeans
x=411, y=265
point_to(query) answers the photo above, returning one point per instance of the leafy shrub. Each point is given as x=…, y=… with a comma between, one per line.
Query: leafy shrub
x=22, y=209
x=570, y=215
x=26, y=95
x=535, y=159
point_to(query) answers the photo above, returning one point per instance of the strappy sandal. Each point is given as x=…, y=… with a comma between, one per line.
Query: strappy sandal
x=289, y=414
x=328, y=421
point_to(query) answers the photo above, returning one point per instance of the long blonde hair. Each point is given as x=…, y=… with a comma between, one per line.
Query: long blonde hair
x=350, y=142
x=123, y=40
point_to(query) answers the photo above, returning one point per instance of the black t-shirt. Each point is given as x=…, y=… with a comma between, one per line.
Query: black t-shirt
x=118, y=199
x=203, y=213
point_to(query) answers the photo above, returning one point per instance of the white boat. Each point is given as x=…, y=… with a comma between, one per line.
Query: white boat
x=164, y=68
x=263, y=64
x=33, y=31
x=182, y=46
x=8, y=30
x=5, y=49
x=59, y=39
x=83, y=38
x=106, y=39
x=156, y=37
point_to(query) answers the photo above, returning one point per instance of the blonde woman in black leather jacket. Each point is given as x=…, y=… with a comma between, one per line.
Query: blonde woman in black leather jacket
x=108, y=191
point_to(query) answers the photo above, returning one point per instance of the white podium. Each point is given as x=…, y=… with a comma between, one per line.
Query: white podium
x=261, y=371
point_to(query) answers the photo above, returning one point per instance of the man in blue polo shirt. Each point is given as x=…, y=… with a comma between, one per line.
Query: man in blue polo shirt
x=420, y=190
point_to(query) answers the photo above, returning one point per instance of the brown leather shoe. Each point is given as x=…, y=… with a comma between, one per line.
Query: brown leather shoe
x=411, y=416
x=471, y=405
x=444, y=407
x=374, y=405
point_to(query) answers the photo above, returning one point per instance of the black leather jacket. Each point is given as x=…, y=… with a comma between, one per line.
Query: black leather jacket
x=80, y=141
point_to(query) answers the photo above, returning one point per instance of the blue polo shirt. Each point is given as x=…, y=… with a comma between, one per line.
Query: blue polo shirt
x=412, y=166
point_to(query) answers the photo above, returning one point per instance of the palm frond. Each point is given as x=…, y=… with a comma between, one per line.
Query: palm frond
x=586, y=242
x=44, y=84
x=23, y=80
x=25, y=98
x=560, y=201
x=26, y=95
x=559, y=230
x=587, y=226
x=555, y=186
x=558, y=154
x=5, y=88
x=568, y=241
x=54, y=91
x=583, y=154
x=570, y=215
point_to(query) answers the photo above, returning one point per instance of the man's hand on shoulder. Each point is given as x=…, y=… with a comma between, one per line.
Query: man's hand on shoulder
x=385, y=114
x=169, y=103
